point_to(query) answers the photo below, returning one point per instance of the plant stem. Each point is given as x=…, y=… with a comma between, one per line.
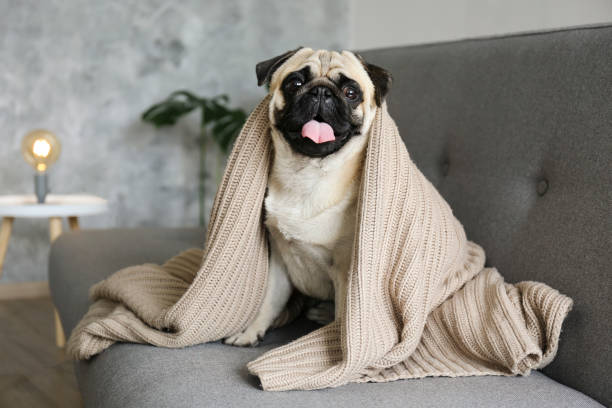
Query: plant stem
x=220, y=167
x=202, y=174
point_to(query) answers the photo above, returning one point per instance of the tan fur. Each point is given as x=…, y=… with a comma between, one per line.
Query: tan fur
x=310, y=204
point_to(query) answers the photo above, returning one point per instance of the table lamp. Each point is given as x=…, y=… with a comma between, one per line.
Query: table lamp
x=41, y=149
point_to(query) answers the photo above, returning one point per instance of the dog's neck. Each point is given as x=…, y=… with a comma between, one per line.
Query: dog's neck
x=324, y=180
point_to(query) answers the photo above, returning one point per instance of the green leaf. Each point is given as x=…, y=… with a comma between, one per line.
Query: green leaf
x=225, y=122
x=226, y=129
x=168, y=111
x=188, y=95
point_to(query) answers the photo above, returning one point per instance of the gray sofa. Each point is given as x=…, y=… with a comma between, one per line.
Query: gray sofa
x=516, y=133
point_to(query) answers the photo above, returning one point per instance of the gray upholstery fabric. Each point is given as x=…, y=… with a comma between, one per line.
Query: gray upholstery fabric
x=214, y=375
x=80, y=259
x=515, y=132
x=130, y=376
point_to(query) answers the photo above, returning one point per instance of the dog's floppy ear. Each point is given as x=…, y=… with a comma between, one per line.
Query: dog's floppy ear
x=265, y=69
x=381, y=78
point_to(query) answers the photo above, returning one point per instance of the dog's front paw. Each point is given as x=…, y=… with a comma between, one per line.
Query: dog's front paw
x=248, y=338
x=322, y=313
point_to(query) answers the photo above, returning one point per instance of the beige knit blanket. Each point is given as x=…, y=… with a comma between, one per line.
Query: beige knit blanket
x=419, y=301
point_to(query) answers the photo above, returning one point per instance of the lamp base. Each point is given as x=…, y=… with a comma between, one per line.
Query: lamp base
x=41, y=187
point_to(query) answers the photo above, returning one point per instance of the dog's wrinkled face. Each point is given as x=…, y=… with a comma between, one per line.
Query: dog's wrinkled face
x=321, y=99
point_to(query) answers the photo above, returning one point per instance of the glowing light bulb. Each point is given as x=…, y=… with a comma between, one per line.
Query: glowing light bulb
x=40, y=148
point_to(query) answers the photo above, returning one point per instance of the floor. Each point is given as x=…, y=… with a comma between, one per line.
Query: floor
x=33, y=371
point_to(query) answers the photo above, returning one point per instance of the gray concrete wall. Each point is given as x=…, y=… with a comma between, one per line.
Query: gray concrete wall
x=87, y=69
x=387, y=23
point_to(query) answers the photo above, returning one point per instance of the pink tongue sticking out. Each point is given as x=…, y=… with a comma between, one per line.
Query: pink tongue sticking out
x=318, y=132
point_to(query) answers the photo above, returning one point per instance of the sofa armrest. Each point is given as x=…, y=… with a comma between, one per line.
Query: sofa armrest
x=81, y=258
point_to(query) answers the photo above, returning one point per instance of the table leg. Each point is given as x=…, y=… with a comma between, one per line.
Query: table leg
x=5, y=234
x=74, y=223
x=55, y=230
x=60, y=337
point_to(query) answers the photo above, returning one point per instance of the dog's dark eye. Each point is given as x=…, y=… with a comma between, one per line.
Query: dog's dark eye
x=350, y=92
x=294, y=84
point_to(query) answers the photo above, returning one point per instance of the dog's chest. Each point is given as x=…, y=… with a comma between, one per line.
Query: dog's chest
x=311, y=225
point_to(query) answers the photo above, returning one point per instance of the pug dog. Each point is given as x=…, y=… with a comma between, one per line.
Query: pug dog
x=321, y=109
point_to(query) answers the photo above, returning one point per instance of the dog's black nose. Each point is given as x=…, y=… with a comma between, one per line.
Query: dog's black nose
x=321, y=92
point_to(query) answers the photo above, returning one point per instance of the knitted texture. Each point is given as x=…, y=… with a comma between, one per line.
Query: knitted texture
x=419, y=301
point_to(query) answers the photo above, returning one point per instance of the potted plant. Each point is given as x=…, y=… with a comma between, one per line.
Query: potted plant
x=219, y=124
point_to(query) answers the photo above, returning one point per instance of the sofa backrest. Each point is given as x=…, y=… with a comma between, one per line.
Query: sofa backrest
x=516, y=133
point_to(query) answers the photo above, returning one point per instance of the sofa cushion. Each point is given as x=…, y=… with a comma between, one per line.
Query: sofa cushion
x=214, y=374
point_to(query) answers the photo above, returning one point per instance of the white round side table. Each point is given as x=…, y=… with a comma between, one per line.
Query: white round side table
x=54, y=208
